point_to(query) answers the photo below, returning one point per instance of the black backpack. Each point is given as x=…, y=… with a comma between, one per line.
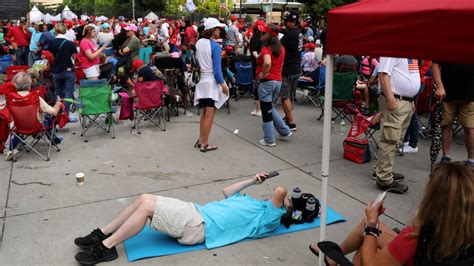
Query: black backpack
x=195, y=69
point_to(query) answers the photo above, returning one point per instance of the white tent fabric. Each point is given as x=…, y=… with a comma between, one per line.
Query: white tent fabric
x=152, y=16
x=101, y=18
x=48, y=18
x=57, y=17
x=36, y=15
x=68, y=14
x=84, y=17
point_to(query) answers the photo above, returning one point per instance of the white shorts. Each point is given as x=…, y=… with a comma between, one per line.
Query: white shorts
x=92, y=72
x=178, y=219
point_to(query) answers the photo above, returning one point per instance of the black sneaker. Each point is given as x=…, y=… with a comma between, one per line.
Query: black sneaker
x=99, y=253
x=291, y=126
x=396, y=177
x=394, y=187
x=90, y=240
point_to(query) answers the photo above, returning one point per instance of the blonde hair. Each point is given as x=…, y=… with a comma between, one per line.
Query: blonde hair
x=87, y=31
x=448, y=205
x=60, y=28
x=35, y=74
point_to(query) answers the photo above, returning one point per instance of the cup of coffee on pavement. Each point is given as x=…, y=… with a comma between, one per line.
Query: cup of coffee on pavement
x=80, y=179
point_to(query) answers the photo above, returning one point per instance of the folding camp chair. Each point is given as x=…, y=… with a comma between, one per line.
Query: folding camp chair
x=24, y=111
x=312, y=90
x=106, y=71
x=243, y=76
x=177, y=96
x=95, y=107
x=342, y=94
x=149, y=105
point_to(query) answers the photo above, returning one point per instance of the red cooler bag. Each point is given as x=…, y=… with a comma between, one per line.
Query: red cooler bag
x=356, y=150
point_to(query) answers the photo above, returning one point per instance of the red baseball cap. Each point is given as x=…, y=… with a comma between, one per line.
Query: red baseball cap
x=269, y=30
x=310, y=45
x=260, y=24
x=233, y=18
x=137, y=64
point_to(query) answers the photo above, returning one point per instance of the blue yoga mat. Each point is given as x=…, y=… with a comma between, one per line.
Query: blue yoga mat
x=151, y=243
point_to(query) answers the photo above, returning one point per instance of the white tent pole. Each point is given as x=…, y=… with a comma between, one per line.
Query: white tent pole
x=326, y=147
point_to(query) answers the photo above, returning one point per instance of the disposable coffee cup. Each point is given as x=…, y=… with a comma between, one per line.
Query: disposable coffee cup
x=80, y=179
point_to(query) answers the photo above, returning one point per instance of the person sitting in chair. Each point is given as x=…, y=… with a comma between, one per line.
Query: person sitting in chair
x=23, y=83
x=216, y=224
x=441, y=233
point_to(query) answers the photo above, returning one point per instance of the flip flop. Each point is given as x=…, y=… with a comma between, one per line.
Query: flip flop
x=197, y=145
x=207, y=148
x=333, y=251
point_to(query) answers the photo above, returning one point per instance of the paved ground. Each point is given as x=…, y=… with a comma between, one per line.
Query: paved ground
x=40, y=220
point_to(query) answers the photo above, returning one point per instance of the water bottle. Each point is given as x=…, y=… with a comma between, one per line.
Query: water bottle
x=342, y=128
x=296, y=199
x=309, y=212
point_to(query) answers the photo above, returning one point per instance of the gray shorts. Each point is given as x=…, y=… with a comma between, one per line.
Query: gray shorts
x=178, y=219
x=288, y=86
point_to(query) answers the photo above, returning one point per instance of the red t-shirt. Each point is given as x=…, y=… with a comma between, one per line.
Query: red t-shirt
x=85, y=45
x=403, y=246
x=277, y=64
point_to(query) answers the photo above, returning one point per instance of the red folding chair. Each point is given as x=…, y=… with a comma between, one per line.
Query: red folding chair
x=24, y=111
x=13, y=70
x=149, y=104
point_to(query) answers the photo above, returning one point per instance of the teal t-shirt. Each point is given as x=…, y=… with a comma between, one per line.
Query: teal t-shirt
x=238, y=217
x=35, y=36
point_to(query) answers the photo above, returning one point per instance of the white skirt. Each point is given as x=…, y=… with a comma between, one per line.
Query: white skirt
x=208, y=88
x=92, y=72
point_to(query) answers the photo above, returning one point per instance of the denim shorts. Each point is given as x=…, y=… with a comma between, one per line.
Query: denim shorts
x=268, y=90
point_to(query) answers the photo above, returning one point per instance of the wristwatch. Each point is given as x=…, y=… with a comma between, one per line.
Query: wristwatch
x=372, y=229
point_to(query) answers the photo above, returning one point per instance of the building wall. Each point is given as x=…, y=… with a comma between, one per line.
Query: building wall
x=13, y=9
x=48, y=3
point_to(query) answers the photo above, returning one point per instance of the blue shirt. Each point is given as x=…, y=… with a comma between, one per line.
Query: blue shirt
x=35, y=36
x=238, y=217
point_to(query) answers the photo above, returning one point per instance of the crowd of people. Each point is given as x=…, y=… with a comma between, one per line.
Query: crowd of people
x=283, y=56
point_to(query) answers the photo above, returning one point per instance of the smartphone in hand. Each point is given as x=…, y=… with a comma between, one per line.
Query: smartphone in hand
x=379, y=200
x=270, y=175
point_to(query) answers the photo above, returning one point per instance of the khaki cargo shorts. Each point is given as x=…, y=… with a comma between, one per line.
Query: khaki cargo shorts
x=464, y=111
x=178, y=219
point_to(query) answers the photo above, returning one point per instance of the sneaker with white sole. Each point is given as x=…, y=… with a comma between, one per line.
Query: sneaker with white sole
x=255, y=113
x=409, y=149
x=9, y=155
x=286, y=136
x=264, y=143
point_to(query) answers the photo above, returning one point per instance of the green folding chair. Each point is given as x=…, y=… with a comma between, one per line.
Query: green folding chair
x=342, y=94
x=96, y=108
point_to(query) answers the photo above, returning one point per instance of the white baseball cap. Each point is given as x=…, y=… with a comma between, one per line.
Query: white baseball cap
x=212, y=23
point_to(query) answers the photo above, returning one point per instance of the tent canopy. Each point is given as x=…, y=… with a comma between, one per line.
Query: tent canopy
x=68, y=14
x=438, y=30
x=152, y=16
x=36, y=15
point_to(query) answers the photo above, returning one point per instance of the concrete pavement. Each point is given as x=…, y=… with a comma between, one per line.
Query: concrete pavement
x=43, y=209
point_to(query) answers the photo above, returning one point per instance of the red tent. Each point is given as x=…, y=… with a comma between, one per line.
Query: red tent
x=441, y=30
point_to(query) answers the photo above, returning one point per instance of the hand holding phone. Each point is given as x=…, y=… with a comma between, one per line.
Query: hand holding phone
x=270, y=175
x=379, y=200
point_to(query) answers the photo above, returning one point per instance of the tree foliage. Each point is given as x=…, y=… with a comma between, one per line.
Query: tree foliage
x=318, y=8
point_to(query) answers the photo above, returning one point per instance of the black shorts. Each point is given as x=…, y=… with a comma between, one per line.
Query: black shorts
x=206, y=102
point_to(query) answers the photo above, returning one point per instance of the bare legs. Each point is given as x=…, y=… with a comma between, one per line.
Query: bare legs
x=257, y=106
x=286, y=104
x=205, y=126
x=354, y=241
x=446, y=138
x=130, y=221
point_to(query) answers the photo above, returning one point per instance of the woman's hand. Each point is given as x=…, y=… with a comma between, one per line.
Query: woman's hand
x=372, y=213
x=225, y=89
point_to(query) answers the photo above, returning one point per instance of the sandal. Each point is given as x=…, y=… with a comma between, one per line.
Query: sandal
x=333, y=251
x=207, y=148
x=197, y=145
